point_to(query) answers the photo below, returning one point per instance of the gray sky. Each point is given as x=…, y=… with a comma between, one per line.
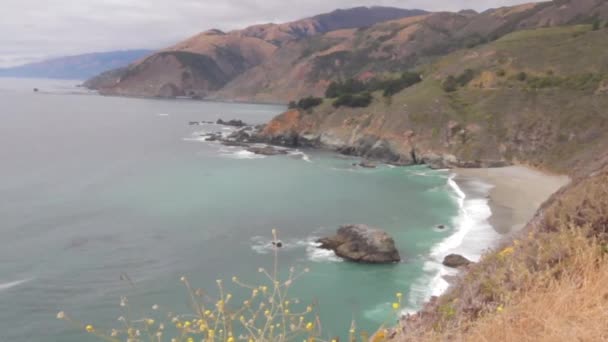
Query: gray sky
x=31, y=30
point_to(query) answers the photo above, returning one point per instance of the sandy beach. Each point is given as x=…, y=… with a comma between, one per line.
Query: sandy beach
x=516, y=195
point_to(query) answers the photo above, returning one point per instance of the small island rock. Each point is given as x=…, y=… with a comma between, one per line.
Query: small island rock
x=267, y=150
x=456, y=261
x=234, y=123
x=363, y=244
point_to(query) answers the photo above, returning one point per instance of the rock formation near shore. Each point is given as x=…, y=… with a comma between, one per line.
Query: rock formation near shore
x=455, y=261
x=361, y=243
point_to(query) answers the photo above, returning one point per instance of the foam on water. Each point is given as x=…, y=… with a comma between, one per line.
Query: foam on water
x=472, y=236
x=6, y=286
x=242, y=154
x=302, y=155
x=262, y=245
x=163, y=114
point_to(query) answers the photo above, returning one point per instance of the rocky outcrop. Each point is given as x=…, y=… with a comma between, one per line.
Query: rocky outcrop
x=233, y=122
x=267, y=150
x=361, y=243
x=456, y=261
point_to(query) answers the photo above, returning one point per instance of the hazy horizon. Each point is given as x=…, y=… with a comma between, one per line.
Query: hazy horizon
x=58, y=28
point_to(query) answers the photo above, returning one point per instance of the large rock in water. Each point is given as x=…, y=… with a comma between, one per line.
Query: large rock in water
x=360, y=243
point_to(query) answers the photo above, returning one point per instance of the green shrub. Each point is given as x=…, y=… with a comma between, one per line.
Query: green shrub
x=406, y=80
x=450, y=84
x=466, y=77
x=596, y=24
x=351, y=86
x=354, y=101
x=309, y=102
x=522, y=76
x=501, y=73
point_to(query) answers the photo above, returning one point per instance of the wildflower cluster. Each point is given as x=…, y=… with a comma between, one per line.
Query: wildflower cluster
x=266, y=314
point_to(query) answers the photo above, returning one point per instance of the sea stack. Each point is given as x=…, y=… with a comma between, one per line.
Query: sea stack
x=363, y=244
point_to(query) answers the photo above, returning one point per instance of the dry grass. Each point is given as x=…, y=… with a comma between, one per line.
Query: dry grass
x=570, y=307
x=549, y=287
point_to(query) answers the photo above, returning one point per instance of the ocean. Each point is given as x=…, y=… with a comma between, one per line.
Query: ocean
x=104, y=197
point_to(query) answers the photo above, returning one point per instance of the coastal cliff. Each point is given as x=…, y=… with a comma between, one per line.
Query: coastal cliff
x=535, y=97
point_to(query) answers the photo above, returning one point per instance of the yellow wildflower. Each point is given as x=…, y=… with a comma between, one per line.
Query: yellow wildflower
x=309, y=326
x=506, y=252
x=187, y=324
x=230, y=339
x=211, y=333
x=89, y=328
x=190, y=339
x=395, y=306
x=500, y=309
x=149, y=321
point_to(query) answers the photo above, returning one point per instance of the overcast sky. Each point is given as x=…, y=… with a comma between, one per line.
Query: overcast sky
x=31, y=30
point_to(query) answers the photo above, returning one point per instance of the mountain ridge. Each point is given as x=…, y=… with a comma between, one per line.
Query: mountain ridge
x=232, y=52
x=76, y=67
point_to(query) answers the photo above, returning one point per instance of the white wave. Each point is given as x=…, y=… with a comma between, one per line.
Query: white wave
x=262, y=245
x=243, y=154
x=302, y=155
x=203, y=139
x=163, y=114
x=472, y=236
x=6, y=286
x=317, y=254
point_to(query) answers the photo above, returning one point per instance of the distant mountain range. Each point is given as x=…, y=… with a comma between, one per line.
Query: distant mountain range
x=283, y=62
x=79, y=67
x=207, y=62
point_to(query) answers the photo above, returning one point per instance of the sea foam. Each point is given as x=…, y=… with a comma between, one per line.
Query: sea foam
x=472, y=236
x=9, y=285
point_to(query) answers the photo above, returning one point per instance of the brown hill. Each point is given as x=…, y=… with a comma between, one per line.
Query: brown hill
x=308, y=65
x=207, y=61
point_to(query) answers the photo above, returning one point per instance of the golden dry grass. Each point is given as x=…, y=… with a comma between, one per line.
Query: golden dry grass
x=566, y=300
x=571, y=308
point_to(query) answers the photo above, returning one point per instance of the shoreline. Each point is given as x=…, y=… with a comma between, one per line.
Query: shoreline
x=516, y=195
x=494, y=204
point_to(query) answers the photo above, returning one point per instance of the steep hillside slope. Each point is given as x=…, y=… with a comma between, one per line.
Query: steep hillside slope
x=536, y=96
x=77, y=67
x=206, y=62
x=307, y=67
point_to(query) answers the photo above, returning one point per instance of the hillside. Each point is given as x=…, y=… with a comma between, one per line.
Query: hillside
x=283, y=62
x=206, y=62
x=79, y=67
x=307, y=66
x=551, y=119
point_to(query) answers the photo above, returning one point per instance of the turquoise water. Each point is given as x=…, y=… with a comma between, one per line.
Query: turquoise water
x=94, y=187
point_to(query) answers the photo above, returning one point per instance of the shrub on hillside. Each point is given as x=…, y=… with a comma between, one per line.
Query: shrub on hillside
x=354, y=101
x=350, y=86
x=406, y=80
x=449, y=84
x=308, y=103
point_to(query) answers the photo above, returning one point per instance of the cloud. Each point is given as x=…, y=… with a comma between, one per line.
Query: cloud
x=34, y=29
